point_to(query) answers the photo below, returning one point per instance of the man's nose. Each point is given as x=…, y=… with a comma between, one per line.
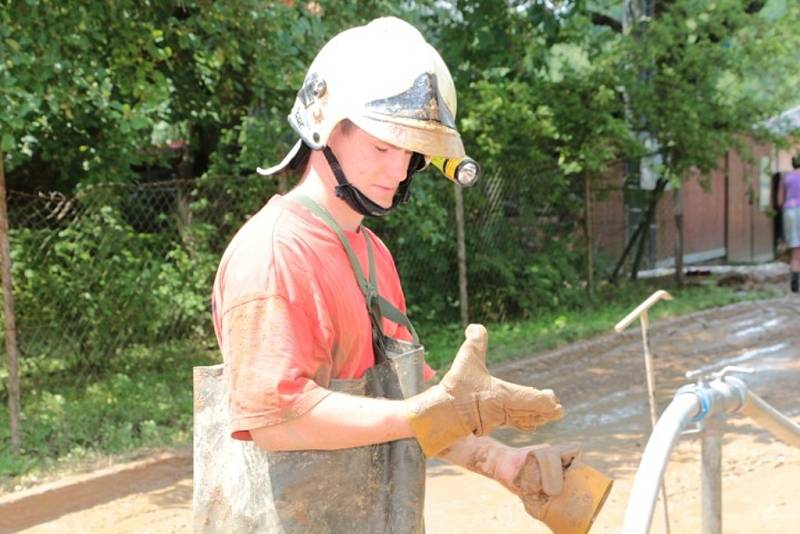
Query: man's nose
x=398, y=167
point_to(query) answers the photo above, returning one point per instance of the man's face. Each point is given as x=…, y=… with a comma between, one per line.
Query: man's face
x=374, y=167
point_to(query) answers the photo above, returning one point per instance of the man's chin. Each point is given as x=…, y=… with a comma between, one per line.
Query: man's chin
x=383, y=201
x=386, y=204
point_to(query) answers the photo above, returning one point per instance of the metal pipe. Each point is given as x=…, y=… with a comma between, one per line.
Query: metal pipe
x=726, y=394
x=639, y=513
x=690, y=402
x=711, y=474
x=771, y=419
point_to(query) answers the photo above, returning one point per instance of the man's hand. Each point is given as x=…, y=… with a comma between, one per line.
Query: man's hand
x=558, y=489
x=553, y=484
x=513, y=467
x=539, y=474
x=471, y=401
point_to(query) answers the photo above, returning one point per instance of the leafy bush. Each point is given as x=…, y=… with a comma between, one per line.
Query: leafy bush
x=93, y=285
x=143, y=400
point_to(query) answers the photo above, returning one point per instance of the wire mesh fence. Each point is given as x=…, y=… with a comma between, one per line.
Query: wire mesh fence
x=108, y=268
x=121, y=265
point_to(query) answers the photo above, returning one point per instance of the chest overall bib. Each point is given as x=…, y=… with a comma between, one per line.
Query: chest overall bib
x=373, y=489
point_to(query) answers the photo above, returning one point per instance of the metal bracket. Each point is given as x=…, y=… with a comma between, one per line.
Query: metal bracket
x=703, y=377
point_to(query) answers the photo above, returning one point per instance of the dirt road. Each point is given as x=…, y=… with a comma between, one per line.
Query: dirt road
x=601, y=384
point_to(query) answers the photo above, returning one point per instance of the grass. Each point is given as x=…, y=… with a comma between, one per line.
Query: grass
x=143, y=401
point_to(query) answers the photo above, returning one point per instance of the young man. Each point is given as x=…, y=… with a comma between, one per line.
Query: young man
x=323, y=369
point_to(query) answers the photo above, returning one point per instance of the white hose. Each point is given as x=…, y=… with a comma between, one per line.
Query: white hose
x=771, y=419
x=724, y=395
x=639, y=513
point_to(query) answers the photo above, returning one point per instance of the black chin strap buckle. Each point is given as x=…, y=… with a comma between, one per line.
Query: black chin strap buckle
x=359, y=201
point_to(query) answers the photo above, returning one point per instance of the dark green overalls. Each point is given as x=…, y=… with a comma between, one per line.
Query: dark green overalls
x=374, y=489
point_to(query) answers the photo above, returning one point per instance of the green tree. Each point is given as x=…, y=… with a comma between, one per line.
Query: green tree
x=541, y=108
x=81, y=88
x=93, y=92
x=691, y=74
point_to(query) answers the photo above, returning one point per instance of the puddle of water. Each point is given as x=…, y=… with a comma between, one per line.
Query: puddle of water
x=742, y=324
x=611, y=416
x=758, y=329
x=606, y=410
x=748, y=355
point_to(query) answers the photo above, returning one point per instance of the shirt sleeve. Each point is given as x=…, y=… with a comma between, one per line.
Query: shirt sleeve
x=271, y=357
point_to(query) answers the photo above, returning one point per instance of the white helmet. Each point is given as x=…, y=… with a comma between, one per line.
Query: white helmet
x=386, y=79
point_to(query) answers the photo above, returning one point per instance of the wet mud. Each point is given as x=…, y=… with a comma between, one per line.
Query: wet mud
x=602, y=385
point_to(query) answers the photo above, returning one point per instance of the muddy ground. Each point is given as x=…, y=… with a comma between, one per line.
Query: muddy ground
x=601, y=383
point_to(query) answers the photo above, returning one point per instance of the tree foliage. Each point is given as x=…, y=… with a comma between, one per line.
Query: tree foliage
x=95, y=91
x=550, y=95
x=691, y=77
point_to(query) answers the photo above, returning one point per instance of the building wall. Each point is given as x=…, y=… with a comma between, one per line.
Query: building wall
x=750, y=232
x=665, y=232
x=608, y=216
x=704, y=216
x=727, y=214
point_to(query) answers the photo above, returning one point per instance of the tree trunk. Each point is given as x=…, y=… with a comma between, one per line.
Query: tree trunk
x=8, y=309
x=183, y=211
x=283, y=183
x=679, y=237
x=661, y=184
x=587, y=232
x=628, y=247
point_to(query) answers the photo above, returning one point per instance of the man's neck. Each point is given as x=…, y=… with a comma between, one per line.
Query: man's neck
x=323, y=190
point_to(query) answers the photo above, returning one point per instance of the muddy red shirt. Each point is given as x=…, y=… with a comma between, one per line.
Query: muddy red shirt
x=289, y=315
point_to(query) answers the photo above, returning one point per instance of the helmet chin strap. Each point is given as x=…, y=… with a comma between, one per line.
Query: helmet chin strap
x=361, y=203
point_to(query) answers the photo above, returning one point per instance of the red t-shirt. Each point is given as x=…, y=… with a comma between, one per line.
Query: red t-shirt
x=289, y=315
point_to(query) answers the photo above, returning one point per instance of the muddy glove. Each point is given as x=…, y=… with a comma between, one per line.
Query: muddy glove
x=559, y=490
x=469, y=400
x=542, y=475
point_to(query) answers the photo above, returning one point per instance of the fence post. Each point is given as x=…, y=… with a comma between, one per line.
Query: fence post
x=462, y=256
x=8, y=314
x=678, y=207
x=587, y=228
x=711, y=477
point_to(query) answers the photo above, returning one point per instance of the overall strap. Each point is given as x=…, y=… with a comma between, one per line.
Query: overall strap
x=368, y=287
x=376, y=304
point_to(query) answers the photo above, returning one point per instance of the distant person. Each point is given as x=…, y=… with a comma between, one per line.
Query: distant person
x=777, y=219
x=789, y=202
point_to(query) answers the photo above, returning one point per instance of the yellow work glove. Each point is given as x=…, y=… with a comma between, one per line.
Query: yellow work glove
x=559, y=490
x=542, y=475
x=469, y=400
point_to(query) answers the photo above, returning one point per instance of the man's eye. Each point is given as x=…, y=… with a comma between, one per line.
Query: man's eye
x=381, y=149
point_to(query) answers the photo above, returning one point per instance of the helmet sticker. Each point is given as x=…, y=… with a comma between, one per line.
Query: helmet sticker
x=421, y=101
x=314, y=89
